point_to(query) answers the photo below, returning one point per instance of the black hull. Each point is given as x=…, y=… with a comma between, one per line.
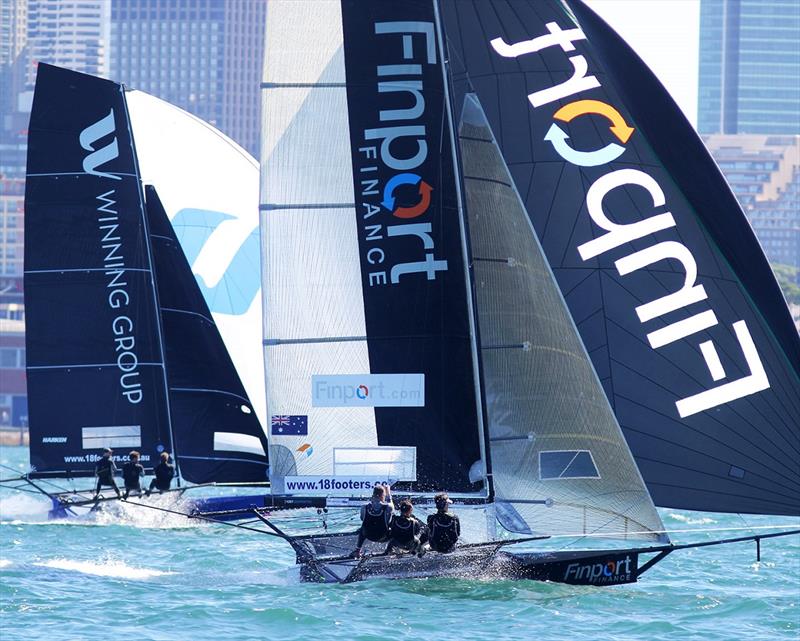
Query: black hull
x=588, y=567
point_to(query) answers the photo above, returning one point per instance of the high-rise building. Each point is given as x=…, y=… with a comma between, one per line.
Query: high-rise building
x=69, y=33
x=749, y=67
x=764, y=173
x=13, y=37
x=204, y=56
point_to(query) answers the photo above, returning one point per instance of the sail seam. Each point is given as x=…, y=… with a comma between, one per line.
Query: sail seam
x=223, y=458
x=80, y=173
x=211, y=391
x=487, y=180
x=302, y=85
x=82, y=365
x=273, y=206
x=186, y=311
x=301, y=341
x=85, y=269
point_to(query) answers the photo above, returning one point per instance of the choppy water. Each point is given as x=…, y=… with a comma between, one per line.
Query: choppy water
x=146, y=575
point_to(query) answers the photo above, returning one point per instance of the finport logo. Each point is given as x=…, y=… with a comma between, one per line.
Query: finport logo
x=399, y=236
x=600, y=573
x=368, y=390
x=614, y=235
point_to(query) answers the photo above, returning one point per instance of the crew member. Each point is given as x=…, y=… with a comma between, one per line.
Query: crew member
x=164, y=472
x=375, y=518
x=408, y=532
x=132, y=472
x=104, y=470
x=444, y=528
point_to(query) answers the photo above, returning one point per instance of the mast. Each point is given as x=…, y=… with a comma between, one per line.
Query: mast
x=468, y=275
x=153, y=288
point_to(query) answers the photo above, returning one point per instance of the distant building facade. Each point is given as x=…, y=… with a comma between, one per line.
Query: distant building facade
x=764, y=173
x=204, y=56
x=12, y=242
x=749, y=80
x=13, y=390
x=69, y=33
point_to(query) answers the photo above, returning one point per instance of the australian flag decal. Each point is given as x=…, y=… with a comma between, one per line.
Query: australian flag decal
x=285, y=425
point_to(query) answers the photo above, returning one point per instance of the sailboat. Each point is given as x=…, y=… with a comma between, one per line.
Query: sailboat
x=486, y=247
x=123, y=350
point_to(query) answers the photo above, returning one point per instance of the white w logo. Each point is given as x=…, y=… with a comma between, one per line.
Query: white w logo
x=90, y=136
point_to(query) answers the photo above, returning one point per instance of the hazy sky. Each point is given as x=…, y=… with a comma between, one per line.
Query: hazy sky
x=665, y=34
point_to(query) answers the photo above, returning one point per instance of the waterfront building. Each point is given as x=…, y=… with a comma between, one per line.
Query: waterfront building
x=764, y=173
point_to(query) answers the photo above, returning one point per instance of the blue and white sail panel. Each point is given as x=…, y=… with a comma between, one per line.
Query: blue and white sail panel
x=363, y=267
x=208, y=186
x=663, y=276
x=217, y=435
x=94, y=360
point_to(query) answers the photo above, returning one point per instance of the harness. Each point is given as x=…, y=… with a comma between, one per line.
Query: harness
x=403, y=529
x=443, y=532
x=374, y=524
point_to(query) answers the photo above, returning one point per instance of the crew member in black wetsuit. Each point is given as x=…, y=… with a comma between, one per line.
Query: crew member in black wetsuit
x=132, y=472
x=375, y=518
x=409, y=534
x=444, y=528
x=104, y=470
x=165, y=472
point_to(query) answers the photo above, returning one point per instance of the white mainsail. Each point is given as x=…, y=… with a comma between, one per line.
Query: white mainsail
x=314, y=312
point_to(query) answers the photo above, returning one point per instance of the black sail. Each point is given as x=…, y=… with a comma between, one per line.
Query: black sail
x=672, y=295
x=415, y=301
x=368, y=343
x=95, y=365
x=216, y=432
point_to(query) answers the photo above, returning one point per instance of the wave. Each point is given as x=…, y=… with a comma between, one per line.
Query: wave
x=4, y=563
x=682, y=518
x=108, y=568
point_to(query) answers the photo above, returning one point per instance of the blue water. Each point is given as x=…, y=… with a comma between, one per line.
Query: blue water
x=144, y=575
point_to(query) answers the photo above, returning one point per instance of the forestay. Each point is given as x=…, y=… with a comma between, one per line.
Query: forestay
x=559, y=460
x=366, y=319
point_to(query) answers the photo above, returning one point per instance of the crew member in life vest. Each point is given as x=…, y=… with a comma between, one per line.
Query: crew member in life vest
x=132, y=472
x=409, y=534
x=444, y=528
x=375, y=518
x=164, y=472
x=104, y=470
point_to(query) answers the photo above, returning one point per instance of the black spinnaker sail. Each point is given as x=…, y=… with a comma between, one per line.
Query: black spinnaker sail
x=664, y=277
x=217, y=433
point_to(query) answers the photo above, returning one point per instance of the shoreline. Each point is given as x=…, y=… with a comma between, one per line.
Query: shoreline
x=19, y=437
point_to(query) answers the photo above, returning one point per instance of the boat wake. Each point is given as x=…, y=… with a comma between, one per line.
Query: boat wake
x=107, y=568
x=19, y=507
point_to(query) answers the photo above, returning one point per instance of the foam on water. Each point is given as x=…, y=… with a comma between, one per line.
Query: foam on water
x=4, y=563
x=682, y=518
x=107, y=568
